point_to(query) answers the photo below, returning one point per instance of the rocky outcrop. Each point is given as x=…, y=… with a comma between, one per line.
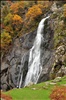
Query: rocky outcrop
x=59, y=66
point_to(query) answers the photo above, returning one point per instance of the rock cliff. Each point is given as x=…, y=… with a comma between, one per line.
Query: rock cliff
x=16, y=62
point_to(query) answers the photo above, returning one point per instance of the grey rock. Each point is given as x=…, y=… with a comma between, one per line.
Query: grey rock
x=28, y=40
x=4, y=66
x=4, y=87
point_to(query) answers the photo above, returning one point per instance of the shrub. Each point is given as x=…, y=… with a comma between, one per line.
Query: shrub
x=64, y=10
x=33, y=12
x=13, y=23
x=8, y=19
x=5, y=11
x=17, y=19
x=9, y=29
x=17, y=7
x=5, y=40
x=17, y=23
x=59, y=93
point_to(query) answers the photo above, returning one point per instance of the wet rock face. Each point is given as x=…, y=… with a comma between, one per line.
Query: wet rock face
x=16, y=63
x=47, y=57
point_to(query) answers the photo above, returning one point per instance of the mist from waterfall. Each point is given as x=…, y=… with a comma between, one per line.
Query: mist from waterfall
x=34, y=65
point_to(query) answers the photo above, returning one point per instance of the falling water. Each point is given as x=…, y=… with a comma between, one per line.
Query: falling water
x=34, y=65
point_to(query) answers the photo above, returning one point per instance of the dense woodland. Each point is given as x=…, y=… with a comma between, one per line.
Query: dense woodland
x=22, y=17
x=18, y=17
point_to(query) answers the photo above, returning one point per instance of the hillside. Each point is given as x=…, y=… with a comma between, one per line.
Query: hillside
x=40, y=91
x=33, y=49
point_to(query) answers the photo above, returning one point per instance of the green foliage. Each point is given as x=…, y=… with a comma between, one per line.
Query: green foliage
x=59, y=33
x=5, y=10
x=8, y=19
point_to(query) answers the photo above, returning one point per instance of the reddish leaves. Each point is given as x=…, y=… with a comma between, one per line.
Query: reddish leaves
x=59, y=93
x=5, y=97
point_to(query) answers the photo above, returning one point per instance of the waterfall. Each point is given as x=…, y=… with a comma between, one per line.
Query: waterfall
x=34, y=65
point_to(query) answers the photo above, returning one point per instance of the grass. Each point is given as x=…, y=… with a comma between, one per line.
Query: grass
x=40, y=91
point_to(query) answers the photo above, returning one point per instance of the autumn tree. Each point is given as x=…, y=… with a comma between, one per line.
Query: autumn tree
x=13, y=23
x=33, y=12
x=17, y=19
x=64, y=10
x=8, y=19
x=5, y=40
x=8, y=24
x=17, y=7
x=4, y=12
x=17, y=23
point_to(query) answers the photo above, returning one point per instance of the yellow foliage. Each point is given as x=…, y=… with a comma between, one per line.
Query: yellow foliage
x=5, y=40
x=17, y=18
x=34, y=12
x=64, y=10
x=9, y=29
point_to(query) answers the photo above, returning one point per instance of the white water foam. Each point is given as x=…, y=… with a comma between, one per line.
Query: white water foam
x=34, y=65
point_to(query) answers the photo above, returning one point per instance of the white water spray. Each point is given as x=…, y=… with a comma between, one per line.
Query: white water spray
x=34, y=65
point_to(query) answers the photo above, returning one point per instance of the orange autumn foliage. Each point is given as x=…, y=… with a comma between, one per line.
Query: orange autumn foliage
x=16, y=6
x=59, y=93
x=64, y=10
x=17, y=22
x=13, y=23
x=16, y=18
x=9, y=29
x=33, y=12
x=5, y=97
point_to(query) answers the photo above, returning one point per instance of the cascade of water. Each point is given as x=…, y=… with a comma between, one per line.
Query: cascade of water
x=34, y=65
